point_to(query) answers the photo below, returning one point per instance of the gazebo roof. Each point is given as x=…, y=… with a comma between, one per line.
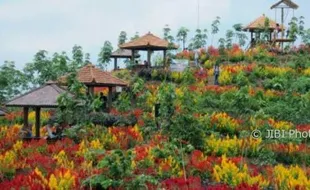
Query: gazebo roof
x=44, y=96
x=285, y=4
x=92, y=76
x=3, y=111
x=123, y=53
x=148, y=41
x=259, y=23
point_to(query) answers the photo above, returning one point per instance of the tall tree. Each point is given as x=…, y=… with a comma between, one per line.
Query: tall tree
x=199, y=40
x=240, y=35
x=104, y=56
x=136, y=36
x=168, y=36
x=77, y=56
x=12, y=81
x=122, y=38
x=229, y=38
x=44, y=68
x=40, y=70
x=182, y=35
x=306, y=37
x=87, y=59
x=215, y=28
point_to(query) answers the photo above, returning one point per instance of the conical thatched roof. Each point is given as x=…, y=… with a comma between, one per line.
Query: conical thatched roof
x=44, y=96
x=123, y=53
x=259, y=23
x=148, y=41
x=92, y=76
x=285, y=4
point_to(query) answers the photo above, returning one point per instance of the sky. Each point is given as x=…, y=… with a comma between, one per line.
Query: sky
x=27, y=26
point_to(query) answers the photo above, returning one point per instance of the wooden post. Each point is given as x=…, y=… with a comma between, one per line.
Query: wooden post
x=26, y=111
x=38, y=110
x=270, y=36
x=282, y=22
x=91, y=90
x=133, y=57
x=148, y=57
x=165, y=57
x=115, y=63
x=110, y=98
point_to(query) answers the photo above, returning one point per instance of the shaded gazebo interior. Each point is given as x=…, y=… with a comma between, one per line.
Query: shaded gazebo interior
x=122, y=54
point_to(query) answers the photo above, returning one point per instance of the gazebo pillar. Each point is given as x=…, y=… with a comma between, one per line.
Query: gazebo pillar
x=26, y=111
x=270, y=36
x=165, y=57
x=115, y=63
x=148, y=57
x=133, y=57
x=38, y=123
x=110, y=98
x=91, y=90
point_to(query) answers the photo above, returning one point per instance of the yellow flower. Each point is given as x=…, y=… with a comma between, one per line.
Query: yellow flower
x=290, y=178
x=95, y=144
x=227, y=172
x=18, y=146
x=62, y=160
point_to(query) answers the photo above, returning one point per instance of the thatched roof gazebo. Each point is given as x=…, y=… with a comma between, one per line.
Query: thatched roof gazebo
x=258, y=26
x=122, y=54
x=148, y=42
x=95, y=77
x=42, y=97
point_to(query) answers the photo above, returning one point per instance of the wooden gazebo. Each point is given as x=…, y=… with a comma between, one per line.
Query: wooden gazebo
x=42, y=97
x=94, y=77
x=122, y=54
x=149, y=43
x=258, y=26
x=282, y=5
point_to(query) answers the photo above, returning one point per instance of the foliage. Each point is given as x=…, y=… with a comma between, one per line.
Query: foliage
x=12, y=81
x=104, y=56
x=182, y=36
x=215, y=28
x=122, y=38
x=199, y=40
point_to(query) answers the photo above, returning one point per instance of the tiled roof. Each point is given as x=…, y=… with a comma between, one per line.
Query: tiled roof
x=92, y=76
x=44, y=96
x=2, y=111
x=148, y=41
x=259, y=23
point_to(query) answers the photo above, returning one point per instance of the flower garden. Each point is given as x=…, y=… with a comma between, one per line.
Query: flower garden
x=199, y=139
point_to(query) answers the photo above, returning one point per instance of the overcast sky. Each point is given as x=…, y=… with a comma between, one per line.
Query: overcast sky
x=27, y=26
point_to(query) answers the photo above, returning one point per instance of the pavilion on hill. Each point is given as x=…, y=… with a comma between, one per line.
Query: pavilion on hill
x=149, y=43
x=42, y=97
x=93, y=77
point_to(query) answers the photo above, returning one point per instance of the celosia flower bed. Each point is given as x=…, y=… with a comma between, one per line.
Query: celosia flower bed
x=201, y=140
